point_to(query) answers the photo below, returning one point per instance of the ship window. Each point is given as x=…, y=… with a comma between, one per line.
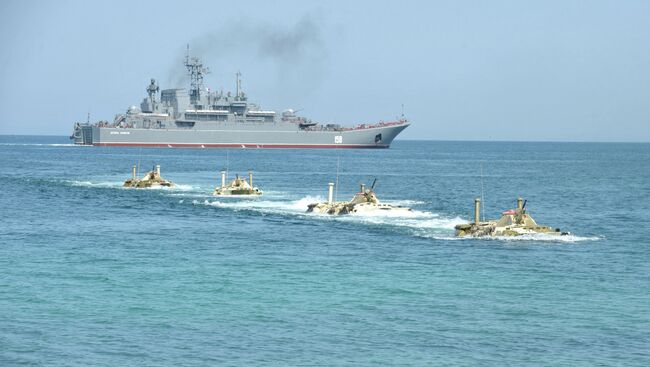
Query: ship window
x=206, y=116
x=185, y=124
x=237, y=109
x=213, y=117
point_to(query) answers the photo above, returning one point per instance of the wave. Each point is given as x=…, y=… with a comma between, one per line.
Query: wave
x=419, y=223
x=119, y=185
x=415, y=220
x=104, y=184
x=407, y=203
x=265, y=206
x=539, y=237
x=570, y=238
x=187, y=194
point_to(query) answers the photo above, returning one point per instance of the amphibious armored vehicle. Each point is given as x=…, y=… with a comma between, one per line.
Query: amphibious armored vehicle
x=364, y=201
x=150, y=179
x=513, y=222
x=238, y=186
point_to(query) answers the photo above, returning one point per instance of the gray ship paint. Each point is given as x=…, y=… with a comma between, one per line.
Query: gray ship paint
x=202, y=118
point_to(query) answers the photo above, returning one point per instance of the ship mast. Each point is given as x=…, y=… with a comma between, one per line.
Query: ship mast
x=238, y=84
x=196, y=70
x=152, y=89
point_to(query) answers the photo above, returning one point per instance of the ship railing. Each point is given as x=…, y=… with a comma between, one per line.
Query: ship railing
x=379, y=124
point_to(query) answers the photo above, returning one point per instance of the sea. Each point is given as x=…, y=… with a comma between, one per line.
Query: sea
x=93, y=274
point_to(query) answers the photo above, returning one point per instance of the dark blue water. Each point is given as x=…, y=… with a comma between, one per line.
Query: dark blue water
x=93, y=274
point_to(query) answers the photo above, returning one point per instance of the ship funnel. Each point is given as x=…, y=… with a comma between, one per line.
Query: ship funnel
x=363, y=188
x=135, y=171
x=330, y=192
x=477, y=210
x=250, y=178
x=223, y=179
x=520, y=203
x=158, y=169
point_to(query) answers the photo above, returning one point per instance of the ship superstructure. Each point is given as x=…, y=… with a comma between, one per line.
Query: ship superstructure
x=199, y=117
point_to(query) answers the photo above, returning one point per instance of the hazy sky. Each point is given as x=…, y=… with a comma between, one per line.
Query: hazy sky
x=475, y=70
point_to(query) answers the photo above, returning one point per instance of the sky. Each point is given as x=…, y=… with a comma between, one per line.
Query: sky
x=463, y=70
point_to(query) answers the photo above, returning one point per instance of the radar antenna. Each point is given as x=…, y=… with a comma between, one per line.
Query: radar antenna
x=196, y=70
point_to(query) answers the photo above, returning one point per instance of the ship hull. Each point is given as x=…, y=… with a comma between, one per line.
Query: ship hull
x=374, y=137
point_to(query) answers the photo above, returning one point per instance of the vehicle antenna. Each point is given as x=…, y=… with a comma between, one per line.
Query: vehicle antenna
x=482, y=193
x=137, y=172
x=338, y=164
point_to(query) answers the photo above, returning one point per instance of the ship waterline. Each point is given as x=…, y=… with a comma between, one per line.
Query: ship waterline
x=200, y=118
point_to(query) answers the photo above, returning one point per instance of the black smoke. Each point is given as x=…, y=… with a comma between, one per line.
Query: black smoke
x=296, y=49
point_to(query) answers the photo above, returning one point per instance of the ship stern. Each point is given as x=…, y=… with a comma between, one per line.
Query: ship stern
x=82, y=134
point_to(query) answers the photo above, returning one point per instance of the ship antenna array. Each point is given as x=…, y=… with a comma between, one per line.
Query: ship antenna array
x=196, y=70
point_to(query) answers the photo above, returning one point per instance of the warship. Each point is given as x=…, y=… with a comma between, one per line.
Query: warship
x=363, y=202
x=238, y=186
x=150, y=179
x=513, y=222
x=201, y=118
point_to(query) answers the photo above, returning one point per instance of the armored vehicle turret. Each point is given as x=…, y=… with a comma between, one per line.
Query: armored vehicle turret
x=513, y=222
